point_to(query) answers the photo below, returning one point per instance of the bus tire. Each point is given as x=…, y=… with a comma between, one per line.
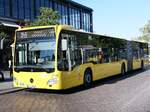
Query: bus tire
x=142, y=64
x=88, y=78
x=123, y=69
x=2, y=78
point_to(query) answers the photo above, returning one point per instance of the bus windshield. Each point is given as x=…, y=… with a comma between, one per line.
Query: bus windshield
x=35, y=54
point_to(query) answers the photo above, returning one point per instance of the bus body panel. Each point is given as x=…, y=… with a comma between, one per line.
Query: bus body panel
x=74, y=77
x=71, y=78
x=146, y=61
x=108, y=69
x=136, y=64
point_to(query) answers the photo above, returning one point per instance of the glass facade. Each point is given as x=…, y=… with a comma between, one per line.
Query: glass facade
x=71, y=13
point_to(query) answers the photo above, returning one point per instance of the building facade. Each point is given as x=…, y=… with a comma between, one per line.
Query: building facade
x=14, y=13
x=71, y=12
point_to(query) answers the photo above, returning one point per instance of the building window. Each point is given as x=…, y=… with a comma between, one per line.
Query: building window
x=78, y=19
x=21, y=9
x=32, y=9
x=37, y=6
x=63, y=15
x=7, y=8
x=27, y=9
x=42, y=3
x=48, y=3
x=71, y=16
x=2, y=7
x=89, y=23
x=85, y=21
x=76, y=16
x=15, y=8
x=60, y=12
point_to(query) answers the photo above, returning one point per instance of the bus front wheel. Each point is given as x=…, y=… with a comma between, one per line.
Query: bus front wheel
x=88, y=78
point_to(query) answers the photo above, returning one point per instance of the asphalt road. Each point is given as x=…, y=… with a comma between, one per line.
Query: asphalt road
x=129, y=93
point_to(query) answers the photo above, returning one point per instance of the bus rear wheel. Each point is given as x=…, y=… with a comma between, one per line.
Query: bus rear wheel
x=88, y=78
x=123, y=69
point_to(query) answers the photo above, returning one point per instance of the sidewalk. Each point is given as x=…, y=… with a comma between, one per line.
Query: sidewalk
x=6, y=86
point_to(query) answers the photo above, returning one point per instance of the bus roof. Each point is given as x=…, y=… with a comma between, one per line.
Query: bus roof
x=34, y=27
x=90, y=33
x=68, y=27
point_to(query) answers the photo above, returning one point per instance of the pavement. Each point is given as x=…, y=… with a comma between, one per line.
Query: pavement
x=6, y=86
x=128, y=93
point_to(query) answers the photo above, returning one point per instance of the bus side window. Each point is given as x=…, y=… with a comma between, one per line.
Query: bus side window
x=100, y=56
x=62, y=61
x=106, y=55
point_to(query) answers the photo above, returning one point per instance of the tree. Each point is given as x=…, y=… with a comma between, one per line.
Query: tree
x=3, y=35
x=47, y=17
x=145, y=32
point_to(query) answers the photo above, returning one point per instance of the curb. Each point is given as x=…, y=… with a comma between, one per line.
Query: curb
x=12, y=90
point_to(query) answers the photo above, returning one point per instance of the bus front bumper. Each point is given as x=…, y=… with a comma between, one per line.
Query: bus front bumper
x=38, y=80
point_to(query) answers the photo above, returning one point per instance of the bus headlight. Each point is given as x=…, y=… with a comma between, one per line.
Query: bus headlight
x=53, y=81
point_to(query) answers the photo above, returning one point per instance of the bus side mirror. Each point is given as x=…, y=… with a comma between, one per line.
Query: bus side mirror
x=64, y=44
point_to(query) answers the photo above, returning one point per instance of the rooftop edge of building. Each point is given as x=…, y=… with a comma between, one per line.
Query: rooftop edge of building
x=77, y=4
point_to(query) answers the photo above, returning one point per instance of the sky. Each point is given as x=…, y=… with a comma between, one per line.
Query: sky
x=119, y=18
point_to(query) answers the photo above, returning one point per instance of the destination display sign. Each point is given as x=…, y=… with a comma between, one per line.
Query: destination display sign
x=38, y=33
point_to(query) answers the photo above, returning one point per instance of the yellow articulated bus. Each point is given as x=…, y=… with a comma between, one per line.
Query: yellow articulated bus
x=59, y=57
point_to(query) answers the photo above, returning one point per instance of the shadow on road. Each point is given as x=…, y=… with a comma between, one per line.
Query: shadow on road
x=109, y=80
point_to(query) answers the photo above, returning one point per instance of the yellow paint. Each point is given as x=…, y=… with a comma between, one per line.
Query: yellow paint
x=75, y=77
x=146, y=61
x=136, y=64
x=107, y=69
x=69, y=79
x=40, y=80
